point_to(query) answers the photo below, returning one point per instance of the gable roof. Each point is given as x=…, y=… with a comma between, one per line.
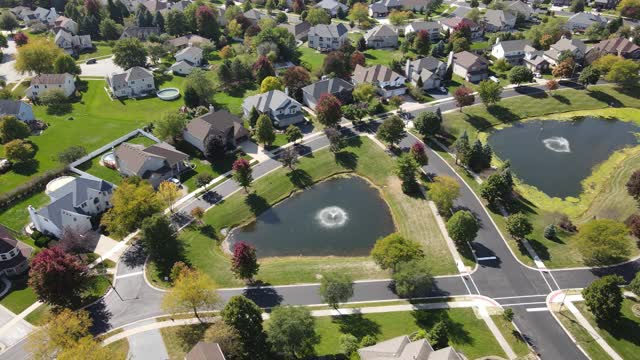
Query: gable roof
x=330, y=5
x=205, y=351
x=569, y=44
x=428, y=62
x=455, y=21
x=498, y=18
x=220, y=121
x=586, y=19
x=617, y=46
x=380, y=31
x=519, y=7
x=50, y=79
x=330, y=31
x=424, y=25
x=467, y=59
x=331, y=86
x=120, y=80
x=298, y=29
x=195, y=40
x=135, y=155
x=139, y=32
x=402, y=348
x=375, y=73
x=11, y=107
x=514, y=45
x=191, y=51
x=253, y=14
x=271, y=100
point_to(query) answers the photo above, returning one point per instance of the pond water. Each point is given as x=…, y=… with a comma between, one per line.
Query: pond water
x=555, y=156
x=341, y=217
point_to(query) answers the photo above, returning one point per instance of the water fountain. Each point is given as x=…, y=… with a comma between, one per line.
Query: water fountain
x=332, y=217
x=557, y=144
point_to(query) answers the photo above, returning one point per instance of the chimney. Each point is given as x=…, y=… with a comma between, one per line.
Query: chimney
x=408, y=69
x=211, y=109
x=286, y=90
x=497, y=40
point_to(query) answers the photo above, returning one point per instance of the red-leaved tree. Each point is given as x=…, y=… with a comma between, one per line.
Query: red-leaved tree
x=295, y=78
x=58, y=278
x=245, y=262
x=20, y=39
x=328, y=110
x=242, y=173
x=551, y=85
x=336, y=64
x=357, y=58
x=92, y=7
x=419, y=153
x=633, y=185
x=297, y=6
x=206, y=22
x=262, y=68
x=464, y=97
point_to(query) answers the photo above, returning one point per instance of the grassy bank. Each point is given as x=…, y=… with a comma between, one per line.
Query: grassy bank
x=512, y=336
x=412, y=216
x=582, y=337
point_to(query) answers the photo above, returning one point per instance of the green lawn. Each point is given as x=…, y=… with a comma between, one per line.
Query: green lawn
x=17, y=217
x=381, y=56
x=512, y=336
x=468, y=334
x=101, y=49
x=20, y=297
x=581, y=336
x=121, y=348
x=314, y=58
x=413, y=218
x=624, y=336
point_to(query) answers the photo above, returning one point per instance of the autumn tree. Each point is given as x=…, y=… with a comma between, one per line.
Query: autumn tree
x=443, y=191
x=295, y=78
x=88, y=348
x=227, y=337
x=192, y=291
x=357, y=58
x=133, y=200
x=359, y=13
x=60, y=334
x=398, y=17
x=58, y=278
x=37, y=56
x=463, y=97
x=564, y=69
x=328, y=110
x=168, y=192
x=244, y=263
x=394, y=249
x=419, y=153
x=551, y=85
x=422, y=43
x=336, y=64
x=207, y=23
x=242, y=173
x=271, y=83
x=262, y=68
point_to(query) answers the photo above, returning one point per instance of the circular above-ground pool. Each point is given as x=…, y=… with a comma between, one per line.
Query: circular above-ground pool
x=108, y=159
x=168, y=94
x=340, y=217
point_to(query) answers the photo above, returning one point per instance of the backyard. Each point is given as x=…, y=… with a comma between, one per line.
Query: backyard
x=412, y=216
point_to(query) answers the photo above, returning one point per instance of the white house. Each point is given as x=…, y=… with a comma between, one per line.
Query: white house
x=74, y=201
x=45, y=82
x=432, y=27
x=280, y=107
x=186, y=60
x=327, y=37
x=513, y=51
x=134, y=82
x=332, y=6
x=428, y=70
x=20, y=109
x=575, y=46
x=388, y=82
x=47, y=16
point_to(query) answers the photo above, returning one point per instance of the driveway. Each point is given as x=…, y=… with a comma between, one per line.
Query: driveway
x=101, y=68
x=18, y=331
x=147, y=345
x=7, y=72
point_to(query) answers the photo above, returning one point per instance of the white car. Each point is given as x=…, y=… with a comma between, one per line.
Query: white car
x=537, y=75
x=443, y=90
x=494, y=79
x=175, y=181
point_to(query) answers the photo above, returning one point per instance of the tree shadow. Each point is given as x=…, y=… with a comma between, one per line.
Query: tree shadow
x=633, y=91
x=357, y=325
x=162, y=78
x=300, y=178
x=426, y=319
x=605, y=98
x=347, y=159
x=264, y=297
x=478, y=122
x=561, y=98
x=538, y=247
x=100, y=316
x=502, y=113
x=208, y=231
x=353, y=141
x=134, y=256
x=257, y=204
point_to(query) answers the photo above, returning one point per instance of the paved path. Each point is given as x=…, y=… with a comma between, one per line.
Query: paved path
x=147, y=345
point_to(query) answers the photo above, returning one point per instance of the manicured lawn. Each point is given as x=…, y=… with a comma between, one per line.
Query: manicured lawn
x=121, y=348
x=479, y=45
x=467, y=333
x=624, y=336
x=314, y=58
x=381, y=56
x=102, y=48
x=19, y=297
x=512, y=336
x=232, y=100
x=412, y=216
x=179, y=340
x=94, y=121
x=16, y=217
x=581, y=336
x=39, y=316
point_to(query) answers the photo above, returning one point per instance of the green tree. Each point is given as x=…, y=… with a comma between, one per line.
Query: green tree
x=348, y=343
x=406, y=169
x=462, y=148
x=133, y=201
x=245, y=317
x=317, y=16
x=427, y=123
x=634, y=285
x=176, y=23
x=520, y=74
x=496, y=189
x=11, y=129
x=109, y=29
x=438, y=336
x=170, y=126
x=289, y=157
x=603, y=242
x=8, y=21
x=19, y=150
x=71, y=154
x=413, y=278
x=398, y=17
x=577, y=6
x=66, y=64
x=129, y=52
x=604, y=299
x=265, y=133
x=336, y=288
x=443, y=191
x=292, y=331
x=202, y=87
x=624, y=73
x=489, y=92
x=242, y=173
x=56, y=101
x=462, y=227
x=37, y=56
x=62, y=331
x=519, y=226
x=589, y=76
x=227, y=337
x=192, y=291
x=359, y=13
x=394, y=249
x=364, y=92
x=271, y=83
x=253, y=116
x=391, y=130
x=293, y=133
x=160, y=239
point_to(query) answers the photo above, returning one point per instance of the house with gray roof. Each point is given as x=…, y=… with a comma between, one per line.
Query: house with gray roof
x=498, y=20
x=254, y=16
x=520, y=7
x=74, y=201
x=332, y=7
x=432, y=27
x=381, y=36
x=402, y=348
x=187, y=59
x=580, y=22
x=46, y=16
x=617, y=46
x=469, y=66
x=63, y=22
x=605, y=4
x=280, y=107
x=575, y=46
x=20, y=109
x=428, y=70
x=156, y=163
x=513, y=51
x=189, y=40
x=388, y=82
x=134, y=82
x=14, y=254
x=164, y=6
x=140, y=33
x=535, y=61
x=299, y=30
x=325, y=37
x=341, y=89
x=72, y=44
x=221, y=124
x=382, y=8
x=45, y=82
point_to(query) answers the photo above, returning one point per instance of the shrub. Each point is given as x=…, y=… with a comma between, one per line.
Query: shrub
x=550, y=232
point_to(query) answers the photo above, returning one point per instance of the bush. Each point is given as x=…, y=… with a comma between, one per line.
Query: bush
x=550, y=232
x=40, y=240
x=508, y=314
x=368, y=340
x=56, y=102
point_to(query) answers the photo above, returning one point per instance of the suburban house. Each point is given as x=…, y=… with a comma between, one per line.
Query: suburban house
x=618, y=46
x=14, y=254
x=155, y=163
x=136, y=81
x=20, y=109
x=72, y=44
x=535, y=61
x=254, y=16
x=605, y=4
x=281, y=108
x=74, y=201
x=140, y=33
x=381, y=36
x=221, y=124
x=46, y=16
x=520, y=7
x=402, y=348
x=165, y=6
x=450, y=24
x=469, y=66
x=324, y=37
x=187, y=59
x=45, y=82
x=432, y=27
x=513, y=51
x=579, y=22
x=498, y=20
x=382, y=8
x=63, y=22
x=332, y=7
x=388, y=82
x=561, y=3
x=341, y=89
x=205, y=351
x=575, y=46
x=428, y=70
x=189, y=40
x=299, y=30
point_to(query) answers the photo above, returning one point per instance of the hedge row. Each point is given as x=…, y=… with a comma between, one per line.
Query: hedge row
x=30, y=187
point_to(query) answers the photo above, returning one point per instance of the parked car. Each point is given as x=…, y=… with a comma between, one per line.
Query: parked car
x=91, y=61
x=175, y=181
x=537, y=75
x=5, y=165
x=494, y=79
x=443, y=90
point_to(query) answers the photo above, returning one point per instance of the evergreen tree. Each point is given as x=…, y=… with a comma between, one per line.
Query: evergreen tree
x=158, y=21
x=114, y=12
x=462, y=148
